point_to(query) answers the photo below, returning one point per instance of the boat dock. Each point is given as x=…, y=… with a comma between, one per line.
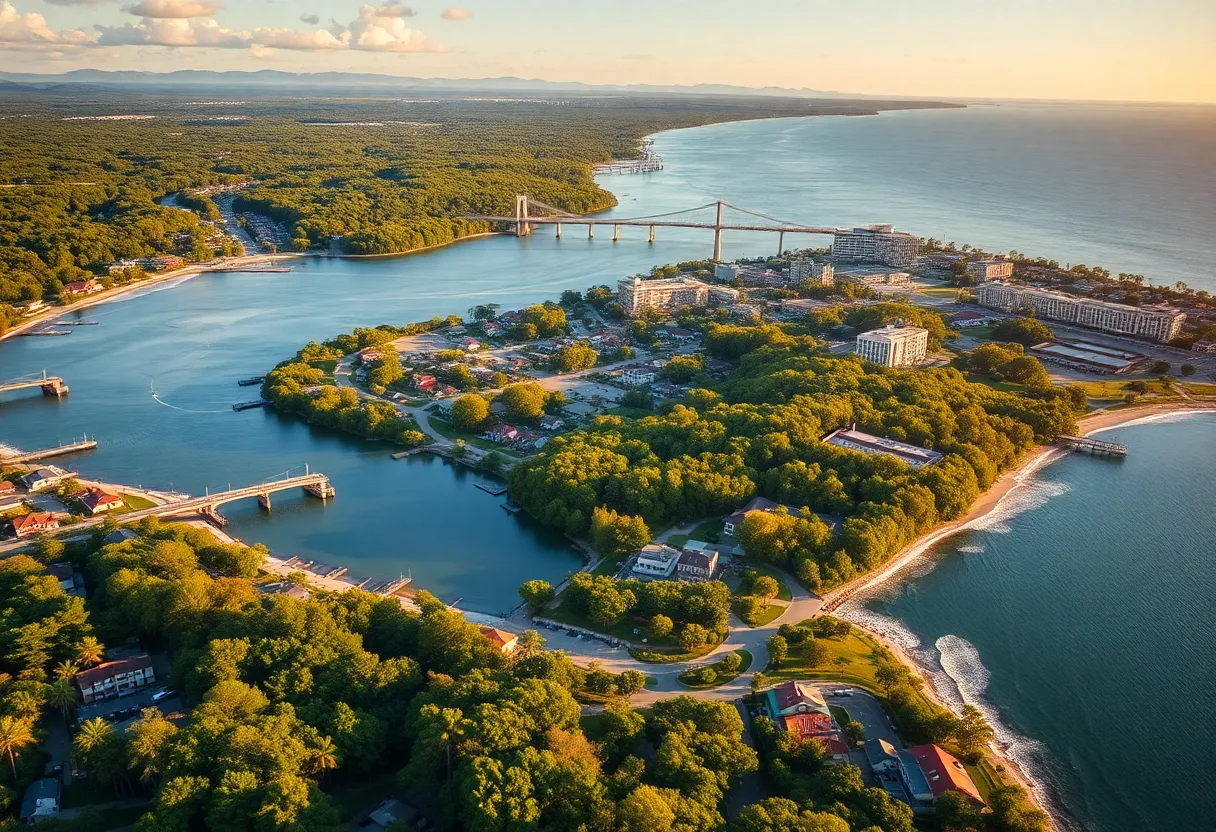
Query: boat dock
x=1095, y=447
x=249, y=382
x=33, y=332
x=510, y=508
x=47, y=453
x=496, y=489
x=239, y=406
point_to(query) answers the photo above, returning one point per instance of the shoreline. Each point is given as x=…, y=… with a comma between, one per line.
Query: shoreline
x=988, y=503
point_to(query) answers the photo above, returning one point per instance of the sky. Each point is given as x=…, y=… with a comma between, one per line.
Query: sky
x=1126, y=50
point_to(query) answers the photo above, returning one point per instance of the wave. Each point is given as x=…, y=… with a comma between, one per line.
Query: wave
x=1153, y=418
x=971, y=549
x=1030, y=494
x=156, y=398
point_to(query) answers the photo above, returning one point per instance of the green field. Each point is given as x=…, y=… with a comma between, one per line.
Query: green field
x=856, y=648
x=770, y=613
x=723, y=678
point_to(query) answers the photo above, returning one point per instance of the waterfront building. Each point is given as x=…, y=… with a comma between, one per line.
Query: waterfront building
x=726, y=272
x=37, y=522
x=97, y=500
x=855, y=440
x=945, y=773
x=503, y=641
x=667, y=294
x=656, y=561
x=1159, y=323
x=875, y=244
x=894, y=346
x=113, y=678
x=1088, y=356
x=46, y=477
x=997, y=268
x=807, y=270
x=82, y=287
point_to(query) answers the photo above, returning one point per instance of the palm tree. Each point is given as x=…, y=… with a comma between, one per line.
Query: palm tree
x=90, y=651
x=15, y=734
x=93, y=733
x=62, y=695
x=66, y=670
x=323, y=757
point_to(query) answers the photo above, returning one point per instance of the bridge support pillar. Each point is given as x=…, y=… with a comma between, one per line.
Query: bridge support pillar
x=780, y=243
x=616, y=233
x=590, y=231
x=264, y=501
x=717, y=258
x=652, y=234
x=559, y=230
x=522, y=229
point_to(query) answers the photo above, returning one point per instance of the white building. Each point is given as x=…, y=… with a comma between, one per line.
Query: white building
x=636, y=378
x=985, y=270
x=656, y=561
x=726, y=272
x=667, y=294
x=876, y=243
x=894, y=346
x=808, y=270
x=878, y=278
x=1160, y=323
x=723, y=295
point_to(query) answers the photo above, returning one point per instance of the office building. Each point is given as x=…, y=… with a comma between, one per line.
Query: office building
x=1159, y=323
x=875, y=244
x=803, y=271
x=667, y=294
x=894, y=346
x=986, y=270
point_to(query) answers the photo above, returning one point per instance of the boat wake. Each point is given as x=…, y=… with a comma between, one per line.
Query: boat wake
x=156, y=398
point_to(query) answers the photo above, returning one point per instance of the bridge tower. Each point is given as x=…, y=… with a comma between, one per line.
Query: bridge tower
x=718, y=234
x=522, y=229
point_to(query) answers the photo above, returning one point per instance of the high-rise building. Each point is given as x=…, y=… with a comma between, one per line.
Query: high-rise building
x=808, y=270
x=894, y=346
x=1160, y=323
x=876, y=243
x=995, y=269
x=666, y=294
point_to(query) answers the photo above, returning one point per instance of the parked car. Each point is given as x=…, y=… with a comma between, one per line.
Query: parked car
x=163, y=693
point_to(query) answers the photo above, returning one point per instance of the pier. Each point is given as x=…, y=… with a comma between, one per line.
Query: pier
x=51, y=385
x=1095, y=447
x=494, y=488
x=239, y=406
x=249, y=382
x=47, y=453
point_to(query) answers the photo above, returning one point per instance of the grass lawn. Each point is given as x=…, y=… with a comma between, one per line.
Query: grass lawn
x=608, y=566
x=855, y=647
x=673, y=655
x=448, y=430
x=939, y=292
x=840, y=715
x=135, y=502
x=723, y=678
x=985, y=777
x=623, y=630
x=770, y=613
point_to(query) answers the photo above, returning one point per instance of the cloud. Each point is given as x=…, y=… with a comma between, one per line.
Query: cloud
x=456, y=13
x=395, y=10
x=372, y=32
x=173, y=9
x=318, y=40
x=310, y=19
x=153, y=32
x=77, y=2
x=31, y=31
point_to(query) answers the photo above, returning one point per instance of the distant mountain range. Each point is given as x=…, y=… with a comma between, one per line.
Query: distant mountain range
x=274, y=78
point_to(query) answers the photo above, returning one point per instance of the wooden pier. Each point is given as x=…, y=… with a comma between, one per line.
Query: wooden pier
x=47, y=453
x=249, y=382
x=1095, y=447
x=239, y=406
x=493, y=488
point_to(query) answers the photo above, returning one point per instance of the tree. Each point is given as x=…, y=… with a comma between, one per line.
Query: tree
x=778, y=648
x=1025, y=331
x=972, y=732
x=693, y=636
x=89, y=651
x=62, y=695
x=1160, y=368
x=66, y=669
x=578, y=356
x=731, y=663
x=817, y=653
x=1188, y=369
x=630, y=682
x=150, y=741
x=855, y=731
x=322, y=757
x=92, y=735
x=470, y=412
x=661, y=626
x=615, y=534
x=49, y=549
x=524, y=401
x=537, y=594
x=765, y=587
x=15, y=734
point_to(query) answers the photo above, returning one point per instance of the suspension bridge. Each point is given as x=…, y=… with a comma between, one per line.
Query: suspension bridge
x=530, y=213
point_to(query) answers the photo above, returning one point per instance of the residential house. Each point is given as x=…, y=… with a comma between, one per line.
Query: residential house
x=697, y=565
x=492, y=329
x=7, y=489
x=425, y=382
x=46, y=477
x=115, y=678
x=40, y=801
x=528, y=439
x=882, y=756
x=816, y=726
x=82, y=287
x=392, y=813
x=502, y=433
x=448, y=390
x=733, y=522
x=799, y=707
x=70, y=581
x=470, y=344
x=551, y=422
x=120, y=536
x=98, y=501
x=505, y=642
x=25, y=525
x=636, y=378
x=945, y=773
x=656, y=561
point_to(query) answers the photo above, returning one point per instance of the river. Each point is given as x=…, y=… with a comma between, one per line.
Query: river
x=154, y=381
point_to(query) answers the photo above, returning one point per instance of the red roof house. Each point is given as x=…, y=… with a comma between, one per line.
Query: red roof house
x=113, y=678
x=34, y=523
x=944, y=772
x=505, y=642
x=7, y=488
x=97, y=500
x=425, y=382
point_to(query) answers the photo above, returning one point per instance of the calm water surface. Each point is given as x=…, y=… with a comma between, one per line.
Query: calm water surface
x=1092, y=615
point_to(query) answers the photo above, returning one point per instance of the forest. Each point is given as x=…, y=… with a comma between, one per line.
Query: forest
x=759, y=431
x=386, y=175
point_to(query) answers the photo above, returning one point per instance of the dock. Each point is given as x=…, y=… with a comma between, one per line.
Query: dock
x=239, y=406
x=496, y=489
x=47, y=453
x=511, y=508
x=35, y=332
x=51, y=385
x=76, y=323
x=249, y=382
x=1095, y=447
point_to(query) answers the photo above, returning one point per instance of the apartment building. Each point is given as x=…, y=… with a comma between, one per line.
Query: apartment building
x=878, y=279
x=667, y=294
x=808, y=270
x=894, y=346
x=114, y=678
x=1159, y=323
x=876, y=243
x=994, y=269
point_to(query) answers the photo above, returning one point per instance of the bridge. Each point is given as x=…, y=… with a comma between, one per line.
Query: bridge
x=1093, y=446
x=525, y=219
x=51, y=385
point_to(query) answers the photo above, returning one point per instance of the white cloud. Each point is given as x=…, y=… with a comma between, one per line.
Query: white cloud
x=152, y=32
x=395, y=10
x=455, y=13
x=310, y=19
x=173, y=9
x=314, y=41
x=374, y=33
x=32, y=31
x=77, y=2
